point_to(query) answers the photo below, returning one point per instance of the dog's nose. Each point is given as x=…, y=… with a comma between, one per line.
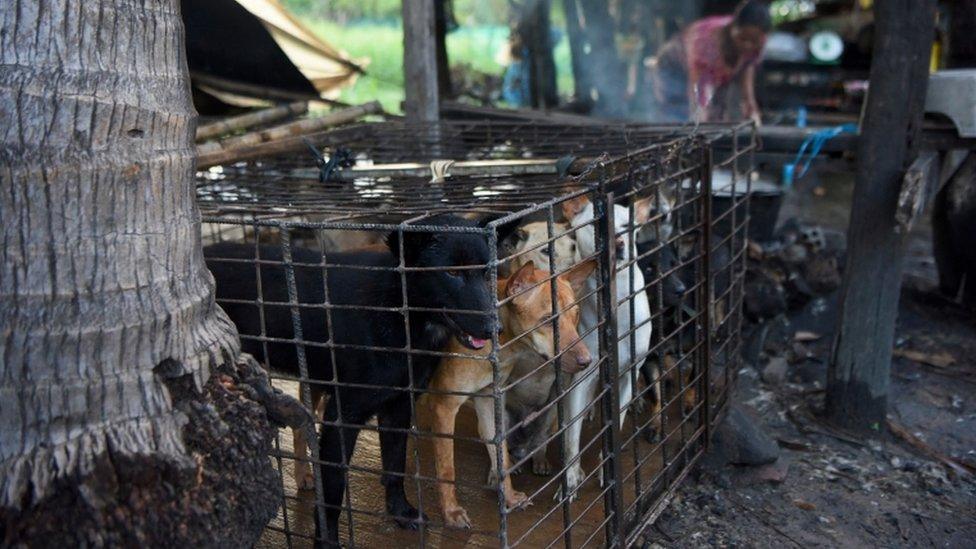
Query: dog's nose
x=582, y=354
x=680, y=290
x=620, y=246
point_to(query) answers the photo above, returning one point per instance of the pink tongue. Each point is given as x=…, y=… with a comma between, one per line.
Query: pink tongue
x=477, y=343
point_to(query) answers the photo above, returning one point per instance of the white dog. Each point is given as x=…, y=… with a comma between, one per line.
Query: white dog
x=584, y=383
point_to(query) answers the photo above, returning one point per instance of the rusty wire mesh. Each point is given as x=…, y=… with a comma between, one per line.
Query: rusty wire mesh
x=624, y=212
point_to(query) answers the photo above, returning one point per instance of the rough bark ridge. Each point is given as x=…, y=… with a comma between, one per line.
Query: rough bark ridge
x=104, y=295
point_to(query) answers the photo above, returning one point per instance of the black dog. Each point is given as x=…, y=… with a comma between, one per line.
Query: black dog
x=661, y=262
x=661, y=268
x=382, y=371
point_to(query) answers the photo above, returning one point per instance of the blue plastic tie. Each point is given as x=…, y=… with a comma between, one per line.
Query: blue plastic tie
x=814, y=142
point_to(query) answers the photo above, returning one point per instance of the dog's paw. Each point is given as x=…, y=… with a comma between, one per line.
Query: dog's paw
x=410, y=519
x=327, y=544
x=517, y=500
x=304, y=478
x=574, y=477
x=541, y=465
x=457, y=518
x=492, y=479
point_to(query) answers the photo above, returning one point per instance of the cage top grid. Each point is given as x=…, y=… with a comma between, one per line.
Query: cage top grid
x=384, y=169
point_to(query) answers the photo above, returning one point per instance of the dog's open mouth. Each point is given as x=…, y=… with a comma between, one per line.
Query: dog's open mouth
x=466, y=339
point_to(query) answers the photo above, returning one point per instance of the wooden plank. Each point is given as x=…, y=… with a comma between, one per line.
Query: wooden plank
x=252, y=90
x=251, y=119
x=460, y=168
x=859, y=372
x=278, y=139
x=420, y=61
x=919, y=186
x=462, y=111
x=923, y=180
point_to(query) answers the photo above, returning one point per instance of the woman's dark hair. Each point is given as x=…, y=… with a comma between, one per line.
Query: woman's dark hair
x=753, y=13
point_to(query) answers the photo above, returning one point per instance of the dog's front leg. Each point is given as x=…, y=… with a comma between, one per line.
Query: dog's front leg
x=578, y=401
x=444, y=409
x=393, y=450
x=336, y=446
x=652, y=379
x=538, y=441
x=485, y=408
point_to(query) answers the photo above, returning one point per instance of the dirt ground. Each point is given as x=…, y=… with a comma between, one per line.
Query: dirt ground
x=830, y=488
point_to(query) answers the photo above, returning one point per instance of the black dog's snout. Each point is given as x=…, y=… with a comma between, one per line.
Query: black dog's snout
x=680, y=289
x=620, y=246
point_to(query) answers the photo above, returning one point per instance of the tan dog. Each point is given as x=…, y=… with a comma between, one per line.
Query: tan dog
x=527, y=305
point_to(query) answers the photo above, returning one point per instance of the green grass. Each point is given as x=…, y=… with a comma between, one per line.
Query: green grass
x=383, y=45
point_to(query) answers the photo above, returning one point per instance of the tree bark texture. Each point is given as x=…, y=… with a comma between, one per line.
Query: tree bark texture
x=858, y=377
x=114, y=427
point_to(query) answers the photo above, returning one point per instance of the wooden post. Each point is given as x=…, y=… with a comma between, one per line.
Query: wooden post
x=608, y=74
x=536, y=32
x=577, y=50
x=444, y=85
x=420, y=60
x=858, y=377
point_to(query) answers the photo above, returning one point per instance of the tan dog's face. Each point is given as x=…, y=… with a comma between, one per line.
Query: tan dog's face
x=530, y=295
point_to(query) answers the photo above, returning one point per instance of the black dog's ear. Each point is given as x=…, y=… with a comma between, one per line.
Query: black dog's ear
x=413, y=242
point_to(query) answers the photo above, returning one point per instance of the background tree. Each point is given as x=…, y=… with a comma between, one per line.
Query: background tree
x=126, y=418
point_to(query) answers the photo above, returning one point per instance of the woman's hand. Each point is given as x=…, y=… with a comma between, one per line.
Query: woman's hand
x=755, y=116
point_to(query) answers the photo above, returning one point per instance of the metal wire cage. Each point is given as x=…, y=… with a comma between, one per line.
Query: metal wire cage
x=592, y=373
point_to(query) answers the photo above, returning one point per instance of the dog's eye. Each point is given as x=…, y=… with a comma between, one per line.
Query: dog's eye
x=454, y=272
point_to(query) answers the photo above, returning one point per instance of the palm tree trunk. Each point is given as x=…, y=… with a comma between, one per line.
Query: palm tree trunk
x=115, y=361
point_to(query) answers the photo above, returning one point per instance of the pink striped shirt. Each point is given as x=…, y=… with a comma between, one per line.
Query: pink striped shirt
x=701, y=43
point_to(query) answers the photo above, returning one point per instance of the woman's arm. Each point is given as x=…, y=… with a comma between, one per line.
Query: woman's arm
x=695, y=110
x=747, y=83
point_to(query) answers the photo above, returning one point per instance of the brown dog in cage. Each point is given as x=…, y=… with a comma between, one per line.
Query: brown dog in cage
x=527, y=336
x=375, y=371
